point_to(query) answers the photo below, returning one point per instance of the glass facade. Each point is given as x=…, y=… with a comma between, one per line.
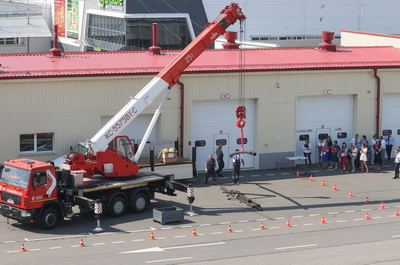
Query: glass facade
x=115, y=34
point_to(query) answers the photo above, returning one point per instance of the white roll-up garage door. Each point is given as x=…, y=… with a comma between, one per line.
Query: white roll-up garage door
x=391, y=117
x=322, y=116
x=215, y=121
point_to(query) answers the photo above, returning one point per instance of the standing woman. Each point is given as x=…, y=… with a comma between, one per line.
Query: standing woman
x=307, y=152
x=378, y=155
x=325, y=155
x=329, y=144
x=363, y=157
x=343, y=158
x=354, y=152
x=320, y=146
x=334, y=154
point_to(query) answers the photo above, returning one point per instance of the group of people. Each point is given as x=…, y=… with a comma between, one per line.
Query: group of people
x=211, y=165
x=359, y=154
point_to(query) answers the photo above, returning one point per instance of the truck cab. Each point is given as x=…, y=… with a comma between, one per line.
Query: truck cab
x=27, y=189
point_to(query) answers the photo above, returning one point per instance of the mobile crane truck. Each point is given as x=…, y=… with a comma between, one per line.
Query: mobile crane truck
x=106, y=169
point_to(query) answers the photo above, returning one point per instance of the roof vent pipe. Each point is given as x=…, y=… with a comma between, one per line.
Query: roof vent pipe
x=155, y=49
x=231, y=36
x=327, y=45
x=55, y=51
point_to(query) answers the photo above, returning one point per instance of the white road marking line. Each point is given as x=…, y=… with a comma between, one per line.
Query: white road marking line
x=51, y=238
x=7, y=242
x=341, y=221
x=164, y=260
x=334, y=213
x=350, y=211
x=279, y=218
x=205, y=225
x=275, y=174
x=295, y=225
x=255, y=229
x=98, y=244
x=161, y=238
x=274, y=227
x=244, y=221
x=261, y=219
x=34, y=249
x=13, y=251
x=316, y=214
x=285, y=173
x=238, y=231
x=137, y=240
x=196, y=245
x=216, y=233
x=225, y=223
x=301, y=246
x=179, y=236
x=376, y=217
x=186, y=226
x=309, y=224
x=358, y=219
x=55, y=248
x=398, y=206
x=117, y=242
x=396, y=236
x=298, y=216
x=364, y=210
x=166, y=228
x=137, y=231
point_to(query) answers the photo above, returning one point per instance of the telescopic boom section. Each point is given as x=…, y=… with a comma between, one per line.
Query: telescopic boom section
x=168, y=77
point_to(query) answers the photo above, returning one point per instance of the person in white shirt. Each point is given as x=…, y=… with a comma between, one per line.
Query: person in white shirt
x=307, y=152
x=373, y=147
x=383, y=146
x=397, y=162
x=389, y=144
x=237, y=158
x=353, y=140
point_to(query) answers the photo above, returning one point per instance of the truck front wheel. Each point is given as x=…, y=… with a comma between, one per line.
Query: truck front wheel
x=117, y=207
x=139, y=203
x=49, y=218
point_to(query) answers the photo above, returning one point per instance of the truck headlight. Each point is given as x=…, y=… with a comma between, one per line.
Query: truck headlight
x=26, y=214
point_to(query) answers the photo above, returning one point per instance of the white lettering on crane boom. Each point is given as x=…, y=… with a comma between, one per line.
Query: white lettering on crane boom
x=118, y=126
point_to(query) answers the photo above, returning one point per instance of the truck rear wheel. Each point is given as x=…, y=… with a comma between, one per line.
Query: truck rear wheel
x=139, y=202
x=49, y=218
x=117, y=207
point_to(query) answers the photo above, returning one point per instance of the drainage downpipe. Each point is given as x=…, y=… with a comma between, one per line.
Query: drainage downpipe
x=182, y=116
x=378, y=101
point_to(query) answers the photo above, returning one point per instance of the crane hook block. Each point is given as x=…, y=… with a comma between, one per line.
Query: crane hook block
x=240, y=123
x=241, y=112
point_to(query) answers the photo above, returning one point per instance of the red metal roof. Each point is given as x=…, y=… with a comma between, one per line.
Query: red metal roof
x=141, y=62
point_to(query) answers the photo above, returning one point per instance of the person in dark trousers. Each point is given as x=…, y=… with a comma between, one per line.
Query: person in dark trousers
x=220, y=160
x=210, y=169
x=389, y=145
x=237, y=158
x=397, y=163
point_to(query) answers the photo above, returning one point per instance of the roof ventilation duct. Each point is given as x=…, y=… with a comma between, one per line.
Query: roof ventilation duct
x=327, y=45
x=231, y=36
x=55, y=51
x=155, y=49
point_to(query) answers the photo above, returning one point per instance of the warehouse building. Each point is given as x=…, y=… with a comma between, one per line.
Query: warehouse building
x=50, y=103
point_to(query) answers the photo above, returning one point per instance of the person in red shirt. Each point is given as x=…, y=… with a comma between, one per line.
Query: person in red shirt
x=344, y=166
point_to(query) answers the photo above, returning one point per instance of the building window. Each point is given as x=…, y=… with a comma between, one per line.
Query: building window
x=36, y=143
x=304, y=137
x=200, y=143
x=342, y=135
x=220, y=141
x=114, y=34
x=239, y=141
x=11, y=41
x=386, y=132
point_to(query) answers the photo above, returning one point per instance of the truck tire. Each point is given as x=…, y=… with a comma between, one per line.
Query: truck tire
x=117, y=207
x=49, y=218
x=139, y=202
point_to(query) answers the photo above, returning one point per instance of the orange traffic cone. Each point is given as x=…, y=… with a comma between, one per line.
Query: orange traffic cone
x=366, y=216
x=310, y=179
x=194, y=232
x=229, y=229
x=350, y=194
x=367, y=201
x=396, y=213
x=152, y=236
x=382, y=206
x=262, y=226
x=297, y=173
x=334, y=188
x=323, y=183
x=22, y=249
x=322, y=220
x=81, y=243
x=288, y=223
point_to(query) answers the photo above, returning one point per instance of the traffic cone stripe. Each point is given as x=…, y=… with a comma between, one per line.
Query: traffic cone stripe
x=323, y=183
x=194, y=232
x=323, y=220
x=152, y=236
x=351, y=194
x=396, y=213
x=22, y=249
x=229, y=229
x=262, y=226
x=382, y=207
x=367, y=216
x=334, y=188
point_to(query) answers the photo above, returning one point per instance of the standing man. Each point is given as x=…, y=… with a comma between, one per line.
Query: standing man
x=210, y=169
x=353, y=140
x=389, y=144
x=383, y=146
x=220, y=160
x=307, y=152
x=397, y=162
x=236, y=167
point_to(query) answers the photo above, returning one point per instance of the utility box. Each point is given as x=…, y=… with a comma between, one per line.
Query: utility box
x=170, y=157
x=168, y=215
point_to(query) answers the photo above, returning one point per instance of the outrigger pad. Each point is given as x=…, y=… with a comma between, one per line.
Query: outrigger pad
x=243, y=152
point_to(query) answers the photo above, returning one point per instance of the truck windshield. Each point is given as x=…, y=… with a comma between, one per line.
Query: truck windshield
x=14, y=176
